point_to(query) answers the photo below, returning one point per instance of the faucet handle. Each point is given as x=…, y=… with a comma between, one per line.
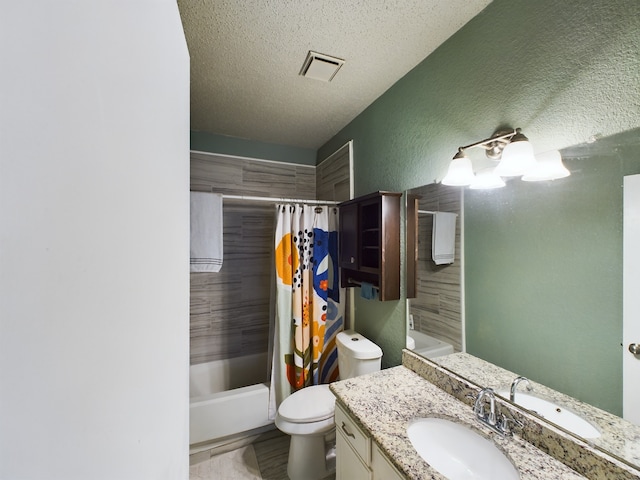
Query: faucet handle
x=506, y=424
x=491, y=418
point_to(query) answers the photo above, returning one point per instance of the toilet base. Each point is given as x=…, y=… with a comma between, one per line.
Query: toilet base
x=311, y=457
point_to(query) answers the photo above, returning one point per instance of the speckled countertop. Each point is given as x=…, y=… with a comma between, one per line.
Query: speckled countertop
x=384, y=402
x=578, y=454
x=618, y=437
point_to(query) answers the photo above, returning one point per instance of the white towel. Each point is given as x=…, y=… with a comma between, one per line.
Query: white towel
x=443, y=241
x=206, y=232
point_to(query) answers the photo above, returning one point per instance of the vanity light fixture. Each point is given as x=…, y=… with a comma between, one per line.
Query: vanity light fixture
x=516, y=159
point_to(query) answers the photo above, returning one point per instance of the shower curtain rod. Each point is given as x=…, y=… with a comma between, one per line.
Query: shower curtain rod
x=280, y=200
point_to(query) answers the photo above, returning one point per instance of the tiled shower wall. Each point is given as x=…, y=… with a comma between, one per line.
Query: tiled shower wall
x=437, y=308
x=333, y=177
x=230, y=309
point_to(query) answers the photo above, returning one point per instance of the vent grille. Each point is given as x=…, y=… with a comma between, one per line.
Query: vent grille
x=320, y=66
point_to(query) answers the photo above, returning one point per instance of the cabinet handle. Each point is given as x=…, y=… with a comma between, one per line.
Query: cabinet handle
x=346, y=431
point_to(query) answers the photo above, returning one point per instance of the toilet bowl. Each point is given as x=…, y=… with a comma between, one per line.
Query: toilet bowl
x=308, y=414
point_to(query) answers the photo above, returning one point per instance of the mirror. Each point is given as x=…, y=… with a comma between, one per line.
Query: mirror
x=542, y=273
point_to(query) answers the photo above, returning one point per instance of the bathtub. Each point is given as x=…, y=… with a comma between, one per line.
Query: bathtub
x=427, y=346
x=228, y=397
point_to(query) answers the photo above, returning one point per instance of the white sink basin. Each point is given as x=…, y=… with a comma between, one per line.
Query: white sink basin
x=554, y=413
x=457, y=452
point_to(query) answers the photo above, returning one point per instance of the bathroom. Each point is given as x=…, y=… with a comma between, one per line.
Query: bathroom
x=564, y=72
x=477, y=116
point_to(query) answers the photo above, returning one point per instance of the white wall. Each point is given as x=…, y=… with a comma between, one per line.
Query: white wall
x=94, y=181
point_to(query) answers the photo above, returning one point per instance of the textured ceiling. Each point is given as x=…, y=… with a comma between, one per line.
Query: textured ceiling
x=246, y=57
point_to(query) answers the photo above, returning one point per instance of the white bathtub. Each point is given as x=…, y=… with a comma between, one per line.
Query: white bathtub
x=228, y=397
x=427, y=346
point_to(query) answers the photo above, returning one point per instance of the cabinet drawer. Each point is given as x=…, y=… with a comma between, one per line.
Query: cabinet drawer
x=353, y=435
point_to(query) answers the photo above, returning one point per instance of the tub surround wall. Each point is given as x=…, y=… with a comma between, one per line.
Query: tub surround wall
x=230, y=309
x=333, y=176
x=437, y=307
x=222, y=375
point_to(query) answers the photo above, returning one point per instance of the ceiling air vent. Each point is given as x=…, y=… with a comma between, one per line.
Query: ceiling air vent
x=320, y=66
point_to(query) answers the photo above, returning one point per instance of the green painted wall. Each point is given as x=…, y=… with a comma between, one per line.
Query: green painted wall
x=562, y=71
x=208, y=142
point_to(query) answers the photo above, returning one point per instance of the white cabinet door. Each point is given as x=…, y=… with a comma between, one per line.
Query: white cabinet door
x=631, y=295
x=382, y=467
x=349, y=466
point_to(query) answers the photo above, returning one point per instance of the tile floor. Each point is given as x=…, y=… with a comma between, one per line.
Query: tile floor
x=264, y=459
x=239, y=464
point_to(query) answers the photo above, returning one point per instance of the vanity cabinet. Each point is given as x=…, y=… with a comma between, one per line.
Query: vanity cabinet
x=370, y=243
x=357, y=456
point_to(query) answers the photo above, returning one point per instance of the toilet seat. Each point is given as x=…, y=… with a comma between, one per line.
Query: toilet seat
x=307, y=411
x=310, y=404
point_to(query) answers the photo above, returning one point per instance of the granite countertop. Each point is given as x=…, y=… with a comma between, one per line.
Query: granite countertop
x=384, y=402
x=617, y=435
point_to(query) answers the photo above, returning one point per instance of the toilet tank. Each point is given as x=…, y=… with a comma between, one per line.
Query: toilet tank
x=357, y=355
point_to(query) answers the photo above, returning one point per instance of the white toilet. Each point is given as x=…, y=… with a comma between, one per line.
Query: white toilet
x=307, y=415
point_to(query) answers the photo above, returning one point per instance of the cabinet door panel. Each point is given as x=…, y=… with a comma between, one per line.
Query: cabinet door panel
x=349, y=466
x=370, y=235
x=382, y=468
x=349, y=236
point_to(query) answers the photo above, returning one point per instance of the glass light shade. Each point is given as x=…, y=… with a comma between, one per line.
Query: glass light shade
x=486, y=180
x=548, y=166
x=460, y=173
x=517, y=158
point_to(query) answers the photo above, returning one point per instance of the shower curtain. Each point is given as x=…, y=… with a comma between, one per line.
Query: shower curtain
x=308, y=311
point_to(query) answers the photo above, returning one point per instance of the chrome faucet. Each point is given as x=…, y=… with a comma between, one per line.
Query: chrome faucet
x=514, y=386
x=478, y=407
x=499, y=423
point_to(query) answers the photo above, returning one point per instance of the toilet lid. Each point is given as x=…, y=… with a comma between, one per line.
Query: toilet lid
x=310, y=404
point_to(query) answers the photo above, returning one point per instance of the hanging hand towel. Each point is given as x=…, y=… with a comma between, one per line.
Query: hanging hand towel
x=443, y=241
x=368, y=291
x=206, y=232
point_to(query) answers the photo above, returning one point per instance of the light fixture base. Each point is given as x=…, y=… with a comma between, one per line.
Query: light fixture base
x=497, y=142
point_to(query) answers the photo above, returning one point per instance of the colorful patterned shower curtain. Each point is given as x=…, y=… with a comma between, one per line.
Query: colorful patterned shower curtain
x=308, y=314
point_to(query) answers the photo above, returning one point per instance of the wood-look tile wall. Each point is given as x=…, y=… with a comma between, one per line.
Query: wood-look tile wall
x=333, y=178
x=437, y=308
x=230, y=309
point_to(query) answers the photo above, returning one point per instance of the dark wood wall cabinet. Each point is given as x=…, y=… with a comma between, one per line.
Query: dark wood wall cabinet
x=370, y=243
